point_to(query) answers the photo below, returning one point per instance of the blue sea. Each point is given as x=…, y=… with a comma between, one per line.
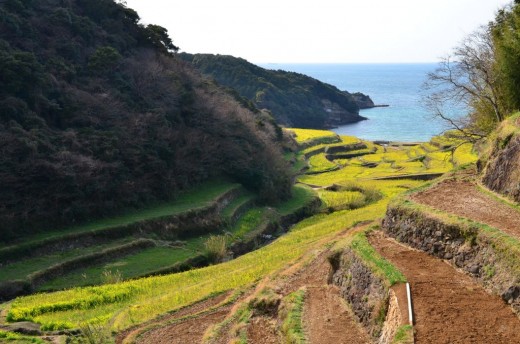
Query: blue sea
x=397, y=85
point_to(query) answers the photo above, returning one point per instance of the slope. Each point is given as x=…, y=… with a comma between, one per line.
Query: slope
x=294, y=99
x=98, y=116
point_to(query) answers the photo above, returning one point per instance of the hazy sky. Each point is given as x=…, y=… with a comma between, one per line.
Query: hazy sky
x=319, y=30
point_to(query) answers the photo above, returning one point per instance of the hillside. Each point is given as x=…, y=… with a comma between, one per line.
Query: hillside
x=341, y=275
x=98, y=115
x=294, y=287
x=294, y=99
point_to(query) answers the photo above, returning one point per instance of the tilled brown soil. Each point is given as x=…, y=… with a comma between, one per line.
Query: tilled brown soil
x=263, y=330
x=193, y=309
x=462, y=198
x=328, y=320
x=188, y=331
x=326, y=317
x=449, y=307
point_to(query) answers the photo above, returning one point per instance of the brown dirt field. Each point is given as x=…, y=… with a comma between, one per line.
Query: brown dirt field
x=326, y=316
x=193, y=309
x=327, y=319
x=462, y=198
x=263, y=330
x=188, y=331
x=449, y=307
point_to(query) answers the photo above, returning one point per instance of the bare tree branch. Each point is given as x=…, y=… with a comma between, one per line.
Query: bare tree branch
x=467, y=77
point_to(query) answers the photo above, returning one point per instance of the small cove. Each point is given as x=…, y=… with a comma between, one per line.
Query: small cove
x=398, y=85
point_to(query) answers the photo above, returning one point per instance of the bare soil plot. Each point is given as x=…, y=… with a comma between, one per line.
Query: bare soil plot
x=188, y=324
x=188, y=331
x=462, y=198
x=449, y=307
x=328, y=320
x=326, y=317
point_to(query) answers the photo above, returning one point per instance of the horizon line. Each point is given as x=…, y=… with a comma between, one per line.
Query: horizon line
x=366, y=63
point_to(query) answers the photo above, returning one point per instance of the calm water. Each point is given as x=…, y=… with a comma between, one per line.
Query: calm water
x=398, y=85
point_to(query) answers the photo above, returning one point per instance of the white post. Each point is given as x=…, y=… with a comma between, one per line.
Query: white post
x=409, y=296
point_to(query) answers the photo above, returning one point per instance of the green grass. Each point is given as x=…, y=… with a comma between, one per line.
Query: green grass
x=319, y=163
x=21, y=269
x=136, y=301
x=155, y=258
x=232, y=207
x=301, y=196
x=131, y=302
x=131, y=266
x=148, y=260
x=199, y=197
x=292, y=315
x=251, y=220
x=377, y=263
x=11, y=337
x=403, y=335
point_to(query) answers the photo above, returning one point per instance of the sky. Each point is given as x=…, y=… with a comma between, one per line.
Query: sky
x=319, y=31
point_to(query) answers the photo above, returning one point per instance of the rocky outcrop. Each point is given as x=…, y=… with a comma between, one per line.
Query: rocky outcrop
x=363, y=101
x=502, y=172
x=366, y=292
x=338, y=115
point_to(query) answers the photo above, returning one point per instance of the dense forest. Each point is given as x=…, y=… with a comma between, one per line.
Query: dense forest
x=98, y=114
x=294, y=99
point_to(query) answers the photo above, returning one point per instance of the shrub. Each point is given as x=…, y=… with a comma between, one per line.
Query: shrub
x=94, y=334
x=111, y=277
x=216, y=248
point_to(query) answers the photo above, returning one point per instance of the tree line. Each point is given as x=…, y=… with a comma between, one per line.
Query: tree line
x=483, y=73
x=98, y=116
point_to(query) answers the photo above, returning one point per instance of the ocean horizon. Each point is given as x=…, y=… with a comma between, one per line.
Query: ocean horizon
x=399, y=85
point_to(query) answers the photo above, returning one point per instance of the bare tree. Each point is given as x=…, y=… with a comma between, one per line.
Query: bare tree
x=467, y=77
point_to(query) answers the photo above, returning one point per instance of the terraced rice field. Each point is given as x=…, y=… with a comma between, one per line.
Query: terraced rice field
x=232, y=300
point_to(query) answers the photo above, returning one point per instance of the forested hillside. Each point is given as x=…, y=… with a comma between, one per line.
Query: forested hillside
x=294, y=99
x=98, y=114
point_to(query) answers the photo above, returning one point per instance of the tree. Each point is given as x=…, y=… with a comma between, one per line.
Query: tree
x=104, y=59
x=158, y=35
x=506, y=39
x=468, y=77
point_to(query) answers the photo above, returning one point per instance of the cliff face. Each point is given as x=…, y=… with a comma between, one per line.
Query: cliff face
x=501, y=163
x=294, y=99
x=337, y=115
x=363, y=101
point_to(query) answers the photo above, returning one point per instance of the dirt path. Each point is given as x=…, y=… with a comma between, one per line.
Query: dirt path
x=326, y=317
x=189, y=331
x=189, y=325
x=328, y=320
x=449, y=307
x=462, y=198
x=263, y=330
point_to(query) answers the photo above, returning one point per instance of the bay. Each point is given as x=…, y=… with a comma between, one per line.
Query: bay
x=397, y=85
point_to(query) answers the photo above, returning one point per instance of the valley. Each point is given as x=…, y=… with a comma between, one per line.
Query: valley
x=297, y=287
x=154, y=195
